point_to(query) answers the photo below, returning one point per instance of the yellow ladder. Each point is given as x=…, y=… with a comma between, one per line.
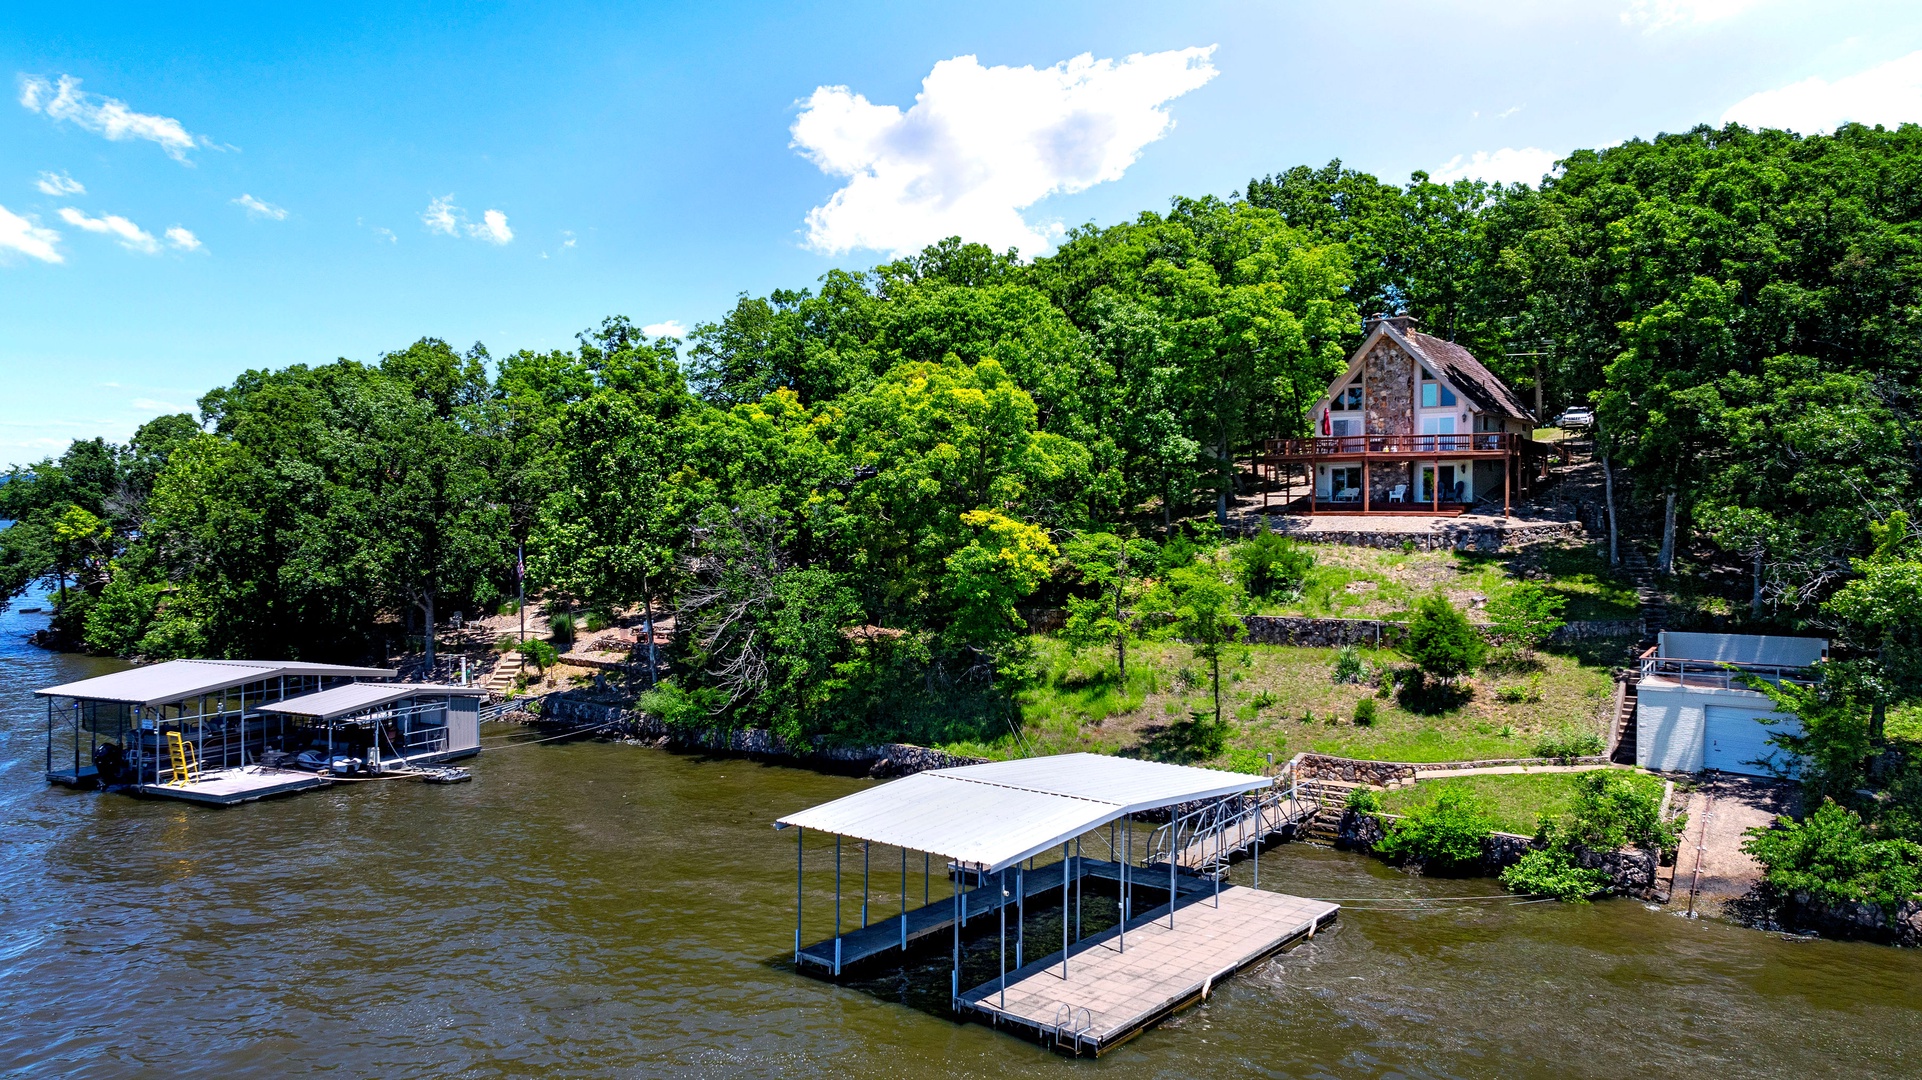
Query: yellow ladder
x=186, y=766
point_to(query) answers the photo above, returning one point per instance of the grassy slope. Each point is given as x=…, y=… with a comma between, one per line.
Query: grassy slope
x=1284, y=700
x=1515, y=801
x=1369, y=583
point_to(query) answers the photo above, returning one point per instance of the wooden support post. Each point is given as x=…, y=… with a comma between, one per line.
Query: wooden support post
x=1367, y=484
x=1508, y=471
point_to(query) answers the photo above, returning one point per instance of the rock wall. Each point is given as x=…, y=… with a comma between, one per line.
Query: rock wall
x=1862, y=921
x=1301, y=630
x=1383, y=773
x=883, y=759
x=1595, y=630
x=1388, y=389
x=1631, y=871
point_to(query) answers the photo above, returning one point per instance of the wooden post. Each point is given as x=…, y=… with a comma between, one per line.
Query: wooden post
x=1508, y=470
x=1366, y=483
x=1434, y=485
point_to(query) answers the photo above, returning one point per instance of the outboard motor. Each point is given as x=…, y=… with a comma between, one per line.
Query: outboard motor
x=110, y=763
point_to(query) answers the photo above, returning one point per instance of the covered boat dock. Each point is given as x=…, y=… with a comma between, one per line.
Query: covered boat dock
x=1012, y=833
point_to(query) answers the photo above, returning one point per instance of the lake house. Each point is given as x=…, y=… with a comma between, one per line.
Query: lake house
x=1414, y=425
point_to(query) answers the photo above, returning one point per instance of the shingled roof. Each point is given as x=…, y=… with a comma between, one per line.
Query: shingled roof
x=1460, y=367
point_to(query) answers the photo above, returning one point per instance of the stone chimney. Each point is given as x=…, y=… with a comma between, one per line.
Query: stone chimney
x=1402, y=323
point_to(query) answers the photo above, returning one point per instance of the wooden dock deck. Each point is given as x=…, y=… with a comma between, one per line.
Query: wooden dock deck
x=885, y=935
x=1109, y=996
x=229, y=786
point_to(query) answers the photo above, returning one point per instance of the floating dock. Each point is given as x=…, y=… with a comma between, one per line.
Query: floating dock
x=1108, y=995
x=229, y=786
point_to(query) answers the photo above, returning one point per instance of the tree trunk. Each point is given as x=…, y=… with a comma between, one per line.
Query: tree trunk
x=1217, y=673
x=1755, y=594
x=1608, y=497
x=1665, y=559
x=427, y=607
x=1121, y=630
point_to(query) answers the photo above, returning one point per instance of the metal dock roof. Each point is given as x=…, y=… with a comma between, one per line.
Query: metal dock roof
x=157, y=684
x=994, y=815
x=341, y=700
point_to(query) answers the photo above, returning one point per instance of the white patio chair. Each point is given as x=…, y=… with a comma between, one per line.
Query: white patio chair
x=1399, y=494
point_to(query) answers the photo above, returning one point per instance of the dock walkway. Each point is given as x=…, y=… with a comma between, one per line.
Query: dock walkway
x=225, y=787
x=1211, y=852
x=1108, y=996
x=886, y=935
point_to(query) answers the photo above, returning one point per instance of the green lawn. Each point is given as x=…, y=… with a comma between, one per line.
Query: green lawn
x=1515, y=801
x=1284, y=700
x=1370, y=583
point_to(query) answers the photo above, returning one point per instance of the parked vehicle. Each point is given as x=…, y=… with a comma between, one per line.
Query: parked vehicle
x=1576, y=416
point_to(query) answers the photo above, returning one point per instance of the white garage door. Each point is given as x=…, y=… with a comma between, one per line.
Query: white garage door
x=1736, y=738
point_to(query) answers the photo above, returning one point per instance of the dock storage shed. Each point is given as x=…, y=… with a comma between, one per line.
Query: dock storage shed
x=1694, y=711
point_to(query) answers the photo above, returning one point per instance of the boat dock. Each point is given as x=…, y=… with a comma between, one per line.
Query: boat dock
x=226, y=787
x=1104, y=996
x=992, y=821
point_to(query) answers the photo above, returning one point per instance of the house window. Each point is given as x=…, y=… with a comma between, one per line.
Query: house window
x=1433, y=394
x=1347, y=400
x=1437, y=425
x=1340, y=428
x=1345, y=483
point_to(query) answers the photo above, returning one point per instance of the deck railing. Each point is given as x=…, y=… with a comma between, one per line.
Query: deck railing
x=1718, y=675
x=1478, y=442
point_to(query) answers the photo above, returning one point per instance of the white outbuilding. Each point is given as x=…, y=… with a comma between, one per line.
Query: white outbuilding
x=1694, y=713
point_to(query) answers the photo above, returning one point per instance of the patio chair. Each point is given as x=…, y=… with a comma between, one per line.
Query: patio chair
x=1399, y=494
x=1347, y=494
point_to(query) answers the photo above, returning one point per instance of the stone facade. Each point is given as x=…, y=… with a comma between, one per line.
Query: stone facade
x=1388, y=373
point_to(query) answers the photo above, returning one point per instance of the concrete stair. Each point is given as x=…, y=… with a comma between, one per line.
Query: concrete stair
x=506, y=670
x=1625, y=726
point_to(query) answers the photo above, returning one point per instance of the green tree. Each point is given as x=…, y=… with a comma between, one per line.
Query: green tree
x=1440, y=640
x=1114, y=566
x=1200, y=606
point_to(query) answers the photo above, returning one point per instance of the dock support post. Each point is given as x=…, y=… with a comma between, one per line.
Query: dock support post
x=799, y=868
x=927, y=868
x=864, y=884
x=1067, y=866
x=837, y=903
x=954, y=978
x=1002, y=908
x=1080, y=871
x=904, y=901
x=1020, y=914
x=1129, y=825
x=1174, y=838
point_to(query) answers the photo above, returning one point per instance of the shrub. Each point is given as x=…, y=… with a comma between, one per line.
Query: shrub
x=1567, y=743
x=509, y=606
x=1349, y=666
x=1512, y=695
x=507, y=643
x=1363, y=800
x=1264, y=699
x=1552, y=871
x=678, y=708
x=1610, y=810
x=1271, y=565
x=560, y=627
x=1525, y=615
x=539, y=653
x=1446, y=834
x=1365, y=711
x=1440, y=640
x=1831, y=857
x=596, y=621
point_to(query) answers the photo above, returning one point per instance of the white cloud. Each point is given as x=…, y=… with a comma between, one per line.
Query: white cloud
x=981, y=144
x=1653, y=15
x=492, y=228
x=387, y=234
x=131, y=236
x=1509, y=165
x=1888, y=94
x=59, y=184
x=184, y=240
x=670, y=328
x=108, y=117
x=569, y=242
x=22, y=235
x=257, y=208
x=441, y=215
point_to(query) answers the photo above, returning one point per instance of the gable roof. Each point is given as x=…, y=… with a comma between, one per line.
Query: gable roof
x=1467, y=374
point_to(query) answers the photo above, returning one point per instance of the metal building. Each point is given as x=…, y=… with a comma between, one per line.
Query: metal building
x=1694, y=711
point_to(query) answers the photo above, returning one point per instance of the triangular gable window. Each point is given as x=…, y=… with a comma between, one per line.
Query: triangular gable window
x=1433, y=394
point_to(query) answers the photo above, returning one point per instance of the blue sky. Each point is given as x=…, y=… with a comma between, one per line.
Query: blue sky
x=654, y=161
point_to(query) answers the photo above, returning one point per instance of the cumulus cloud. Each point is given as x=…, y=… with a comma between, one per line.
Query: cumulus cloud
x=110, y=118
x=184, y=240
x=492, y=228
x=1888, y=94
x=22, y=235
x=257, y=208
x=131, y=236
x=59, y=184
x=670, y=328
x=981, y=144
x=442, y=216
x=1653, y=15
x=1509, y=165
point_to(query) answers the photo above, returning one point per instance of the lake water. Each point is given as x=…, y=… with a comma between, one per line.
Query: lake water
x=590, y=910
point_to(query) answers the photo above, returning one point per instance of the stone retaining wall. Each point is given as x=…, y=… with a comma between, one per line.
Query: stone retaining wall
x=1473, y=536
x=1595, y=630
x=884, y=759
x=1863, y=921
x=1324, y=633
x=1383, y=773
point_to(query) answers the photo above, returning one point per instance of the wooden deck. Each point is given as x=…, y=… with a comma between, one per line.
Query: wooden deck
x=1108, y=996
x=886, y=936
x=229, y=786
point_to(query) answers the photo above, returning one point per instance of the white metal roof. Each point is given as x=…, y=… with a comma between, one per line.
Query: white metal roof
x=341, y=700
x=1764, y=649
x=994, y=815
x=158, y=684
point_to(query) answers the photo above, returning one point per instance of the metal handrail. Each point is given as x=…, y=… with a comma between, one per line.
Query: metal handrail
x=1457, y=443
x=1716, y=674
x=1065, y=1026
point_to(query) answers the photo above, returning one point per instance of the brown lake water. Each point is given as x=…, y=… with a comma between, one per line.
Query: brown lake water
x=588, y=909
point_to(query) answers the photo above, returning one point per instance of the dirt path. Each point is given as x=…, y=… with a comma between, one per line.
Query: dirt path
x=1720, y=812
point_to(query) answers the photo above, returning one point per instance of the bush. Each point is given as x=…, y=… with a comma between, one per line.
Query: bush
x=1365, y=711
x=1271, y=565
x=1566, y=744
x=1525, y=615
x=1519, y=693
x=509, y=606
x=507, y=643
x=1552, y=871
x=1446, y=834
x=1610, y=810
x=1349, y=666
x=560, y=627
x=539, y=653
x=596, y=621
x=1832, y=857
x=680, y=709
x=1440, y=640
x=1363, y=800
